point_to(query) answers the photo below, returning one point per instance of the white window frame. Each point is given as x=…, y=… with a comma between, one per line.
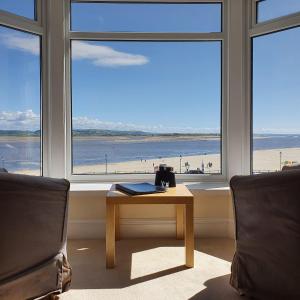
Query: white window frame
x=239, y=28
x=101, y=36
x=36, y=27
x=259, y=29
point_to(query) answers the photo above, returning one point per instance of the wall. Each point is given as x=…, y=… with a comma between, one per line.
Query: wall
x=212, y=214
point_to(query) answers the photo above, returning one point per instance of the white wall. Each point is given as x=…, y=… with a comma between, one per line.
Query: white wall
x=212, y=215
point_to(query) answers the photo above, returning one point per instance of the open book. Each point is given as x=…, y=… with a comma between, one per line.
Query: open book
x=139, y=188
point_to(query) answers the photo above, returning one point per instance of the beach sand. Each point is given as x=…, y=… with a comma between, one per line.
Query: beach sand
x=263, y=161
x=10, y=139
x=269, y=160
x=147, y=166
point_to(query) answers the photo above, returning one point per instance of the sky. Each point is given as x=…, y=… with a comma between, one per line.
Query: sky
x=150, y=86
x=24, y=8
x=276, y=82
x=270, y=9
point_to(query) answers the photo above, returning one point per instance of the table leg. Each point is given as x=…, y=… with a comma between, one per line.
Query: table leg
x=110, y=235
x=179, y=221
x=117, y=222
x=189, y=235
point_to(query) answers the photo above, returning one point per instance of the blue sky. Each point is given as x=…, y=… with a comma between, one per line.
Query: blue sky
x=176, y=87
x=24, y=8
x=276, y=82
x=270, y=9
x=146, y=17
x=151, y=86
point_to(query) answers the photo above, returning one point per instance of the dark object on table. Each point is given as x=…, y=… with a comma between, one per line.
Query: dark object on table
x=33, y=227
x=139, y=188
x=292, y=167
x=267, y=216
x=165, y=175
x=198, y=171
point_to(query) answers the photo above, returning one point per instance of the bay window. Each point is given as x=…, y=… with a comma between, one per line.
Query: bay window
x=108, y=90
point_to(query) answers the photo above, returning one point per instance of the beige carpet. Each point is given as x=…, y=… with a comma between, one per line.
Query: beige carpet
x=151, y=269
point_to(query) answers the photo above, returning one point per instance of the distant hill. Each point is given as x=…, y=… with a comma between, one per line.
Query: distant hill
x=100, y=132
x=105, y=132
x=19, y=133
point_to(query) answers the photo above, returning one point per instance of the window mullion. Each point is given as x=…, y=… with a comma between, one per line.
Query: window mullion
x=149, y=1
x=56, y=131
x=238, y=138
x=146, y=36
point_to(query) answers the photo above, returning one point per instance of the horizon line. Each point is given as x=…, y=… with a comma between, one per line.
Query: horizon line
x=149, y=132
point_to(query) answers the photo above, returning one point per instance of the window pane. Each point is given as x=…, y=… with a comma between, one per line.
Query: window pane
x=276, y=100
x=138, y=104
x=271, y=9
x=20, y=149
x=24, y=8
x=146, y=17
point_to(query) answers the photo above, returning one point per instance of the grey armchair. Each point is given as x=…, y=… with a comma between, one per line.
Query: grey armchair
x=266, y=264
x=33, y=216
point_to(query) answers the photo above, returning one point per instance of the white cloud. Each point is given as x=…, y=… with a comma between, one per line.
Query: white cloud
x=28, y=120
x=106, y=56
x=277, y=130
x=18, y=120
x=99, y=55
x=29, y=44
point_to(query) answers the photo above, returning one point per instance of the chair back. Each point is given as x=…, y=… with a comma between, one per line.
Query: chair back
x=33, y=220
x=267, y=218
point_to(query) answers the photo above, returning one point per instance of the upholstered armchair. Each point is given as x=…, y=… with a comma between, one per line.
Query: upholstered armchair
x=33, y=218
x=266, y=264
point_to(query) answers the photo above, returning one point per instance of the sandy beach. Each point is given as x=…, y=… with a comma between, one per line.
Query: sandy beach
x=9, y=139
x=269, y=160
x=263, y=161
x=147, y=166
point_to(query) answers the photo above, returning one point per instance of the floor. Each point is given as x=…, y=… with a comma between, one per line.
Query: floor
x=151, y=269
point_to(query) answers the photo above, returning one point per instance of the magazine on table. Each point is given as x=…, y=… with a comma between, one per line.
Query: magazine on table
x=139, y=188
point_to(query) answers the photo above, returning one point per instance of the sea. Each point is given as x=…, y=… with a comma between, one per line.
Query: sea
x=19, y=154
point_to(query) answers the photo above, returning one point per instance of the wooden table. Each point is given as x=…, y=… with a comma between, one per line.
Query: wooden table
x=180, y=196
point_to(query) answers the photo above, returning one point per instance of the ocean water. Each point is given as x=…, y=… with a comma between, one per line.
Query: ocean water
x=137, y=150
x=19, y=154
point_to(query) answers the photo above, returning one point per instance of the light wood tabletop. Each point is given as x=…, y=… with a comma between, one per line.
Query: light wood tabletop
x=180, y=196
